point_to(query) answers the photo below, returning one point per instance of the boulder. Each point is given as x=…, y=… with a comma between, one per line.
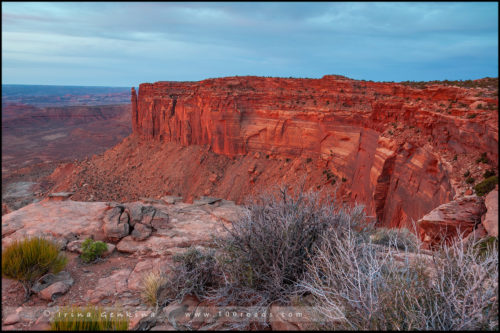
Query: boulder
x=490, y=219
x=147, y=214
x=134, y=210
x=116, y=225
x=60, y=196
x=160, y=220
x=111, y=286
x=50, y=279
x=171, y=200
x=179, y=313
x=448, y=220
x=141, y=232
x=11, y=319
x=142, y=320
x=160, y=265
x=54, y=290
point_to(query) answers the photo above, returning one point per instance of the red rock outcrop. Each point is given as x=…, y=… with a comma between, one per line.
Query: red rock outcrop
x=443, y=223
x=385, y=139
x=490, y=219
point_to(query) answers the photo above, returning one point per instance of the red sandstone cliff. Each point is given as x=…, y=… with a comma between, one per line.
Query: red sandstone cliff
x=387, y=140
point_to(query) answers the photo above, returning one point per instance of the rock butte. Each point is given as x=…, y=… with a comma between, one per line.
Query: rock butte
x=345, y=124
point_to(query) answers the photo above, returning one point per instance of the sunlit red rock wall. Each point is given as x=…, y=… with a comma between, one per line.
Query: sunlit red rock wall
x=335, y=119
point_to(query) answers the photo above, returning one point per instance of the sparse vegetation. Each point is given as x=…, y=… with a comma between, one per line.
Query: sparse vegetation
x=309, y=160
x=486, y=186
x=483, y=159
x=91, y=250
x=470, y=180
x=471, y=115
x=290, y=245
x=30, y=259
x=359, y=286
x=398, y=238
x=88, y=319
x=196, y=272
x=331, y=177
x=485, y=245
x=489, y=173
x=467, y=173
x=455, y=157
x=488, y=82
x=151, y=284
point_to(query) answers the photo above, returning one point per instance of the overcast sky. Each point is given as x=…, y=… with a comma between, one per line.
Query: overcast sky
x=127, y=43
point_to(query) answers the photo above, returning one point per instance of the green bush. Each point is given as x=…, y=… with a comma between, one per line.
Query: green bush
x=30, y=259
x=471, y=115
x=91, y=250
x=489, y=173
x=470, y=180
x=486, y=186
x=483, y=159
x=467, y=173
x=88, y=319
x=485, y=245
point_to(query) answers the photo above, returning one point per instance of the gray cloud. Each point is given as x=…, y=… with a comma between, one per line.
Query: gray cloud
x=128, y=43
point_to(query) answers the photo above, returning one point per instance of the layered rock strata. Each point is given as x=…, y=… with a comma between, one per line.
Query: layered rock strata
x=348, y=125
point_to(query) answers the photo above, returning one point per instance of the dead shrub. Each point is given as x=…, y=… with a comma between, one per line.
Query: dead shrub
x=366, y=288
x=195, y=273
x=266, y=252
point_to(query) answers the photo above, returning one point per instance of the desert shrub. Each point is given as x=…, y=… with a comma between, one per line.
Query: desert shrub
x=471, y=115
x=486, y=186
x=88, y=319
x=489, y=173
x=360, y=287
x=398, y=238
x=470, y=180
x=196, y=272
x=266, y=252
x=467, y=173
x=485, y=245
x=483, y=159
x=30, y=259
x=91, y=250
x=151, y=284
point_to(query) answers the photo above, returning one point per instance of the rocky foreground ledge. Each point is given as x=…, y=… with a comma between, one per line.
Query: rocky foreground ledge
x=142, y=236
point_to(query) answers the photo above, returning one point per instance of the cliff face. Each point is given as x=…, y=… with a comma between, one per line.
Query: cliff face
x=385, y=139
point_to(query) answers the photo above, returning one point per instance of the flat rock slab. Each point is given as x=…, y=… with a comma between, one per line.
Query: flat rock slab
x=111, y=286
x=66, y=220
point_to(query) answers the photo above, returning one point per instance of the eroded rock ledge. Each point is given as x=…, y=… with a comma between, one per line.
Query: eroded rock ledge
x=386, y=139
